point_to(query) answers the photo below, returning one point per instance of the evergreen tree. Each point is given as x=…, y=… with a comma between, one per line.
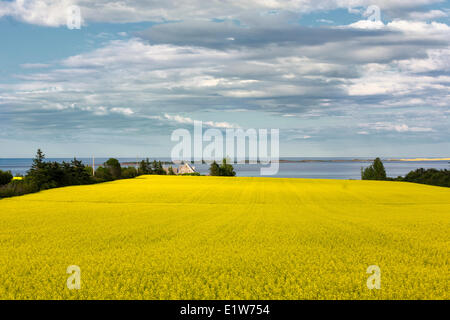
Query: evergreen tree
x=5, y=177
x=142, y=168
x=214, y=169
x=226, y=169
x=145, y=167
x=159, y=169
x=375, y=171
x=155, y=167
x=378, y=167
x=38, y=173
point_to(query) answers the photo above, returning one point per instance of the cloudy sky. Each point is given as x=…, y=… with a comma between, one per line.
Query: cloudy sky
x=335, y=80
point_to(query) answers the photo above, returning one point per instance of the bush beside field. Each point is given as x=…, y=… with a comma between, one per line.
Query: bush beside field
x=5, y=177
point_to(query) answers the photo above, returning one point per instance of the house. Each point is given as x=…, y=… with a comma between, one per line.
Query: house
x=182, y=169
x=186, y=168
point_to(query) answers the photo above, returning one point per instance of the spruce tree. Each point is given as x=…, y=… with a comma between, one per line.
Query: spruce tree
x=214, y=169
x=375, y=171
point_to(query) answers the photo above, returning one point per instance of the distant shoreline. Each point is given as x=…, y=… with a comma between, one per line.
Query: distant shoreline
x=421, y=159
x=365, y=160
x=318, y=161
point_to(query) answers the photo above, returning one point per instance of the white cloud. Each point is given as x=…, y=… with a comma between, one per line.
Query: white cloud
x=98, y=111
x=365, y=76
x=386, y=126
x=325, y=21
x=187, y=120
x=53, y=13
x=41, y=12
x=124, y=111
x=396, y=84
x=34, y=65
x=178, y=118
x=418, y=28
x=427, y=15
x=367, y=24
x=407, y=27
x=436, y=60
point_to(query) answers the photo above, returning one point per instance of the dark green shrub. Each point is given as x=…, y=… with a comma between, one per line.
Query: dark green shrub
x=17, y=188
x=129, y=172
x=5, y=177
x=433, y=177
x=145, y=167
x=102, y=174
x=214, y=169
x=157, y=168
x=375, y=171
x=113, y=165
x=224, y=170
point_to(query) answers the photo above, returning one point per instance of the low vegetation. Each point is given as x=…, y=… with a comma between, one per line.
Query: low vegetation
x=5, y=177
x=375, y=171
x=224, y=170
x=428, y=176
x=432, y=177
x=155, y=167
x=47, y=175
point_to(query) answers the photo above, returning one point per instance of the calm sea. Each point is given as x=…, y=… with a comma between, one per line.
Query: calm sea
x=345, y=169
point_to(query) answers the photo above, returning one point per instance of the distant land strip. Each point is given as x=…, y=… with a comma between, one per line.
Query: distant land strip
x=312, y=160
x=421, y=159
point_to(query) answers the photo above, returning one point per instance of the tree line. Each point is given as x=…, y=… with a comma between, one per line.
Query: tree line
x=155, y=167
x=433, y=177
x=46, y=174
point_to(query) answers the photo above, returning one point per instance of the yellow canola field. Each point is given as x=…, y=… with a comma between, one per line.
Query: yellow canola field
x=174, y=237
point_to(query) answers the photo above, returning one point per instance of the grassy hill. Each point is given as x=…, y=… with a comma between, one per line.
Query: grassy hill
x=173, y=237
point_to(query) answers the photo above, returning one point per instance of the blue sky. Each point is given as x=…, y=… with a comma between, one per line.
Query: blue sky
x=333, y=80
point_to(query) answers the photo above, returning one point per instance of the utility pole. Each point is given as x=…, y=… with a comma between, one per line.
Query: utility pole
x=93, y=166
